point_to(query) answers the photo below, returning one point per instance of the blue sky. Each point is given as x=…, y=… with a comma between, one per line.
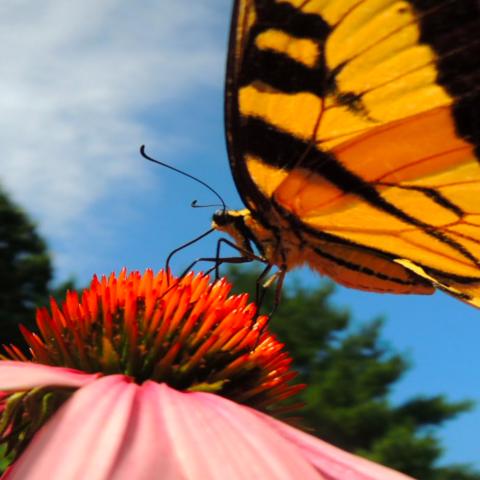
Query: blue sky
x=83, y=84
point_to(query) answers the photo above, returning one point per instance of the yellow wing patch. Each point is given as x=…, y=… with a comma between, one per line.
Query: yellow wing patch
x=300, y=49
x=258, y=101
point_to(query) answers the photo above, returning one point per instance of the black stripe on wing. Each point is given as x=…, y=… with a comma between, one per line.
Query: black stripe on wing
x=432, y=194
x=360, y=268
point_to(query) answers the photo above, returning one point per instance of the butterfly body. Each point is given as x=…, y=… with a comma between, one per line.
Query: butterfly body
x=277, y=245
x=353, y=131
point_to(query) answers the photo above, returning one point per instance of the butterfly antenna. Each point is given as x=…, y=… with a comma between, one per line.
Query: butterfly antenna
x=195, y=204
x=201, y=182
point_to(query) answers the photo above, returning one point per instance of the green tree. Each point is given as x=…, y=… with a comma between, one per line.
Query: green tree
x=350, y=372
x=25, y=270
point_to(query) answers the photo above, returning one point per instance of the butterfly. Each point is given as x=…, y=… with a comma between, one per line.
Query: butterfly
x=353, y=133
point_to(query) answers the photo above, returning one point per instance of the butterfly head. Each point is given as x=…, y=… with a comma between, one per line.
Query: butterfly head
x=238, y=224
x=248, y=232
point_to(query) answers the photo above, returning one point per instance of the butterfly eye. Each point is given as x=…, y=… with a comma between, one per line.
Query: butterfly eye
x=222, y=218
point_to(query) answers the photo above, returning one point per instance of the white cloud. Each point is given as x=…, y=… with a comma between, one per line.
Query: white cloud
x=74, y=77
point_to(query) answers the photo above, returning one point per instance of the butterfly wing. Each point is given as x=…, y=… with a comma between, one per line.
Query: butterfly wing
x=359, y=122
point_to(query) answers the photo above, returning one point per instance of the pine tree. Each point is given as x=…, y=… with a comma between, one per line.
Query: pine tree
x=25, y=270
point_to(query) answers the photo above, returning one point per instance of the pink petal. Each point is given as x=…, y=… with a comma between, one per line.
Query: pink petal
x=146, y=452
x=82, y=440
x=26, y=375
x=216, y=439
x=113, y=429
x=335, y=463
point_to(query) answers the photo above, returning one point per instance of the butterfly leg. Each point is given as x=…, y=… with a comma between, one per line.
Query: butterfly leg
x=246, y=255
x=217, y=261
x=260, y=288
x=187, y=244
x=278, y=289
x=278, y=277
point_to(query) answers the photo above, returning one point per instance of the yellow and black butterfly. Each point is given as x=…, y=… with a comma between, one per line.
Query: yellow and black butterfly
x=353, y=131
